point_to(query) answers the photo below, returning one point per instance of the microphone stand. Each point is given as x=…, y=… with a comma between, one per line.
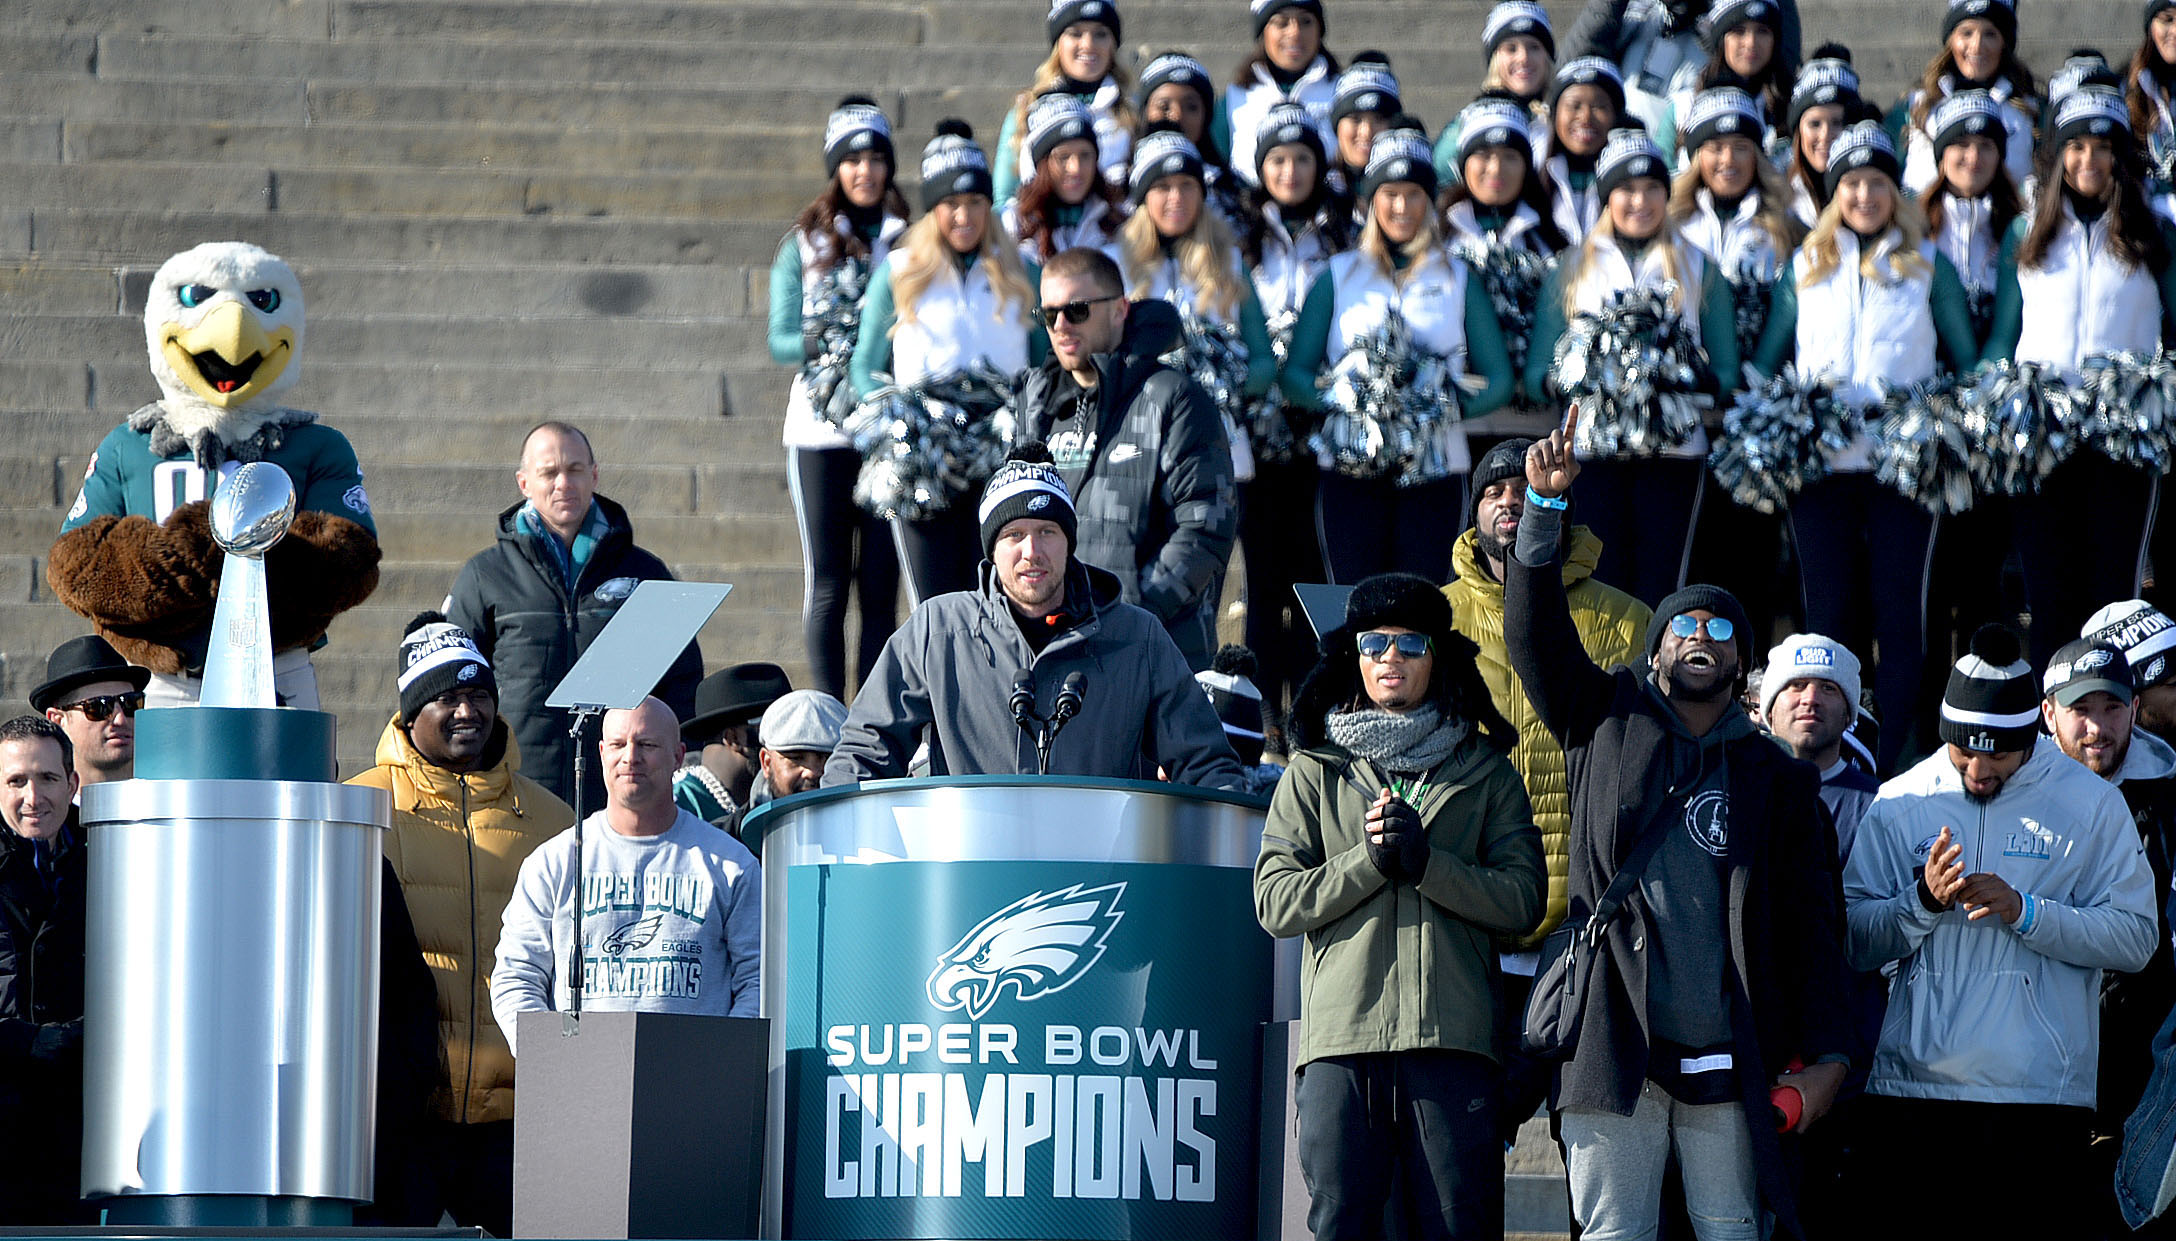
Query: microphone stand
x=570, y=1021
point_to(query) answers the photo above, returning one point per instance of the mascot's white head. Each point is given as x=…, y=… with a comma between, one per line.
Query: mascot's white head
x=223, y=322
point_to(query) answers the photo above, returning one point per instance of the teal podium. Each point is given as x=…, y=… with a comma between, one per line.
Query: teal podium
x=1011, y=1006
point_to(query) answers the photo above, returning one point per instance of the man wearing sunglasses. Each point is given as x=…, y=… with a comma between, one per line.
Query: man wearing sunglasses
x=1139, y=444
x=1725, y=963
x=94, y=695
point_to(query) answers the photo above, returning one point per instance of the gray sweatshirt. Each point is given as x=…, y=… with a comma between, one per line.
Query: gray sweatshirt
x=670, y=924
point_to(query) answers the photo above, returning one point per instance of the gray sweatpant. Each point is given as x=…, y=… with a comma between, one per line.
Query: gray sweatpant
x=1616, y=1162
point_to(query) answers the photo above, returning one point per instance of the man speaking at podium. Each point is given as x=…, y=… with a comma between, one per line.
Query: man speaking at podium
x=1043, y=636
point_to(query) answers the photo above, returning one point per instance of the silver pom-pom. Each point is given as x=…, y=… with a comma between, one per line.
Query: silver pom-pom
x=1778, y=437
x=927, y=445
x=1267, y=425
x=1634, y=370
x=833, y=307
x=2016, y=413
x=1921, y=447
x=1388, y=409
x=1513, y=276
x=2120, y=408
x=1212, y=355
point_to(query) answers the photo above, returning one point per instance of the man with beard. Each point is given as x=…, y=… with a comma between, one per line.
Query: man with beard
x=2091, y=709
x=1809, y=693
x=2147, y=637
x=798, y=733
x=2002, y=878
x=1723, y=971
x=1610, y=624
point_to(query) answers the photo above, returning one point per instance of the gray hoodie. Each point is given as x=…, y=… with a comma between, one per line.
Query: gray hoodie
x=949, y=672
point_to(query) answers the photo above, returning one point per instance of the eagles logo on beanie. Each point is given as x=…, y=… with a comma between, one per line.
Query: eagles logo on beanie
x=1368, y=86
x=1725, y=14
x=1493, y=120
x=857, y=125
x=2001, y=14
x=2095, y=111
x=1064, y=13
x=1966, y=114
x=1589, y=71
x=1629, y=153
x=1399, y=153
x=953, y=164
x=1864, y=145
x=1828, y=78
x=2144, y=633
x=1722, y=112
x=1288, y=124
x=1162, y=153
x=1513, y=18
x=1027, y=485
x=1260, y=11
x=1992, y=705
x=436, y=657
x=1057, y=118
x=1176, y=69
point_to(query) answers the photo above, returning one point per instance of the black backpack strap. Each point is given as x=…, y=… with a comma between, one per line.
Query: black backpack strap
x=1621, y=885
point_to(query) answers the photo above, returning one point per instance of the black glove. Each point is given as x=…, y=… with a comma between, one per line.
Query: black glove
x=57, y=1040
x=1403, y=850
x=812, y=346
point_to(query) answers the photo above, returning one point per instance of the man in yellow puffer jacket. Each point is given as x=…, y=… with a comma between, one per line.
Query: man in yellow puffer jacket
x=464, y=818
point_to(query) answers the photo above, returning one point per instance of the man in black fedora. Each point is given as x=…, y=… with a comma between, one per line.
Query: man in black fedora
x=717, y=785
x=94, y=695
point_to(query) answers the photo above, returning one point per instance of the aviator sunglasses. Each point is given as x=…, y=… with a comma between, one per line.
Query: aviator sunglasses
x=1719, y=628
x=1377, y=645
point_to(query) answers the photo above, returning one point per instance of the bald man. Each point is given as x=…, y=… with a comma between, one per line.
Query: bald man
x=679, y=904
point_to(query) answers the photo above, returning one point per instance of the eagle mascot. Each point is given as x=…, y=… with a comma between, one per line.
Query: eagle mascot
x=223, y=324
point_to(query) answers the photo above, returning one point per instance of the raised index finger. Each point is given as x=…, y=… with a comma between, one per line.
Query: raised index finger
x=1571, y=421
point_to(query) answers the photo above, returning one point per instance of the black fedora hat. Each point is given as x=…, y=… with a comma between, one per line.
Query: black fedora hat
x=80, y=661
x=735, y=695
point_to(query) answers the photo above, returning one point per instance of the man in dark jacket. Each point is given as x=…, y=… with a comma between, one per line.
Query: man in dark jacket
x=42, y=880
x=1141, y=447
x=1727, y=962
x=968, y=666
x=564, y=562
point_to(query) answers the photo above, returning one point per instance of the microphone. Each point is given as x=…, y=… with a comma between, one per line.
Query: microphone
x=1069, y=700
x=1023, y=700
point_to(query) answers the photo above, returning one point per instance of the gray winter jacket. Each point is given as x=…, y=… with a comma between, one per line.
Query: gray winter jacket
x=949, y=671
x=1985, y=1011
x=1151, y=480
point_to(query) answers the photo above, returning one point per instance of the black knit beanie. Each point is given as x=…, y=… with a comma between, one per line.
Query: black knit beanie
x=1064, y=13
x=1505, y=460
x=1713, y=600
x=437, y=656
x=1992, y=705
x=1027, y=485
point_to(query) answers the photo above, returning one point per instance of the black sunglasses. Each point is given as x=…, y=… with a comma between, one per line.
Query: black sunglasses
x=1075, y=312
x=99, y=708
x=1377, y=645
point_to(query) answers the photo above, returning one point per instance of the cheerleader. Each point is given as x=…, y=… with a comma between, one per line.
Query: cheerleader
x=817, y=281
x=1401, y=269
x=1067, y=202
x=1730, y=204
x=1365, y=100
x=1586, y=100
x=1518, y=46
x=1654, y=40
x=1083, y=62
x=2152, y=85
x=2087, y=272
x=1495, y=214
x=1175, y=249
x=1823, y=100
x=1739, y=41
x=1979, y=52
x=953, y=294
x=1643, y=509
x=1292, y=225
x=1176, y=91
x=1289, y=64
x=1862, y=306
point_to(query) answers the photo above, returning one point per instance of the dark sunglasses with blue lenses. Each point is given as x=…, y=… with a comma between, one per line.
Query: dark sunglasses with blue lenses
x=1685, y=625
x=1377, y=645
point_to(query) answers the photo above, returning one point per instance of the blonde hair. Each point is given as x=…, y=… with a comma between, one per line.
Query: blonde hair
x=1048, y=75
x=923, y=251
x=1208, y=260
x=1823, y=255
x=1774, y=220
x=1674, y=267
x=1376, y=245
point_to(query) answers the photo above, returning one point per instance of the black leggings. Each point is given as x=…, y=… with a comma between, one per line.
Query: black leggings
x=1423, y=1122
x=1865, y=554
x=1643, y=512
x=1370, y=526
x=842, y=546
x=940, y=554
x=2082, y=541
x=1277, y=546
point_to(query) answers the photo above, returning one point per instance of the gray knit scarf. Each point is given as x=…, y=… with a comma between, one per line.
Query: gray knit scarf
x=1413, y=740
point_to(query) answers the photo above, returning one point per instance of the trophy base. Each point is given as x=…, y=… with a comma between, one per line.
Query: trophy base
x=236, y=743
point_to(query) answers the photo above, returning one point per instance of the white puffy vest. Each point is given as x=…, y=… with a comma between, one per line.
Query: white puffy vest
x=956, y=323
x=1610, y=271
x=2084, y=300
x=2017, y=122
x=1738, y=247
x=1246, y=106
x=1433, y=301
x=1968, y=241
x=803, y=428
x=1289, y=266
x=1468, y=237
x=1574, y=211
x=1866, y=336
x=1087, y=232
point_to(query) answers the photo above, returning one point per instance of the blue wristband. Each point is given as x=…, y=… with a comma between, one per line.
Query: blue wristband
x=1536, y=498
x=2031, y=914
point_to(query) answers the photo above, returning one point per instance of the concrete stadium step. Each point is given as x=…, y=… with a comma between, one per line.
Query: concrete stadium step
x=793, y=144
x=277, y=18
x=139, y=236
x=407, y=191
x=543, y=291
x=663, y=344
x=726, y=21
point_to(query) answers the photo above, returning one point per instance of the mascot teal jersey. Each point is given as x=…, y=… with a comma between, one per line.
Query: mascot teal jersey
x=126, y=478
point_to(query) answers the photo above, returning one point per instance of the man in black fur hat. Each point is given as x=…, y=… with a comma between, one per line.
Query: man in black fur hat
x=1725, y=965
x=1400, y=835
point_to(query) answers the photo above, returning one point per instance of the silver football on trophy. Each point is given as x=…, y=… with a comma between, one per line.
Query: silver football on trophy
x=253, y=508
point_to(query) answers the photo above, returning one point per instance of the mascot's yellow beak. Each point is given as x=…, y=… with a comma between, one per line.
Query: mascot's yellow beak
x=228, y=358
